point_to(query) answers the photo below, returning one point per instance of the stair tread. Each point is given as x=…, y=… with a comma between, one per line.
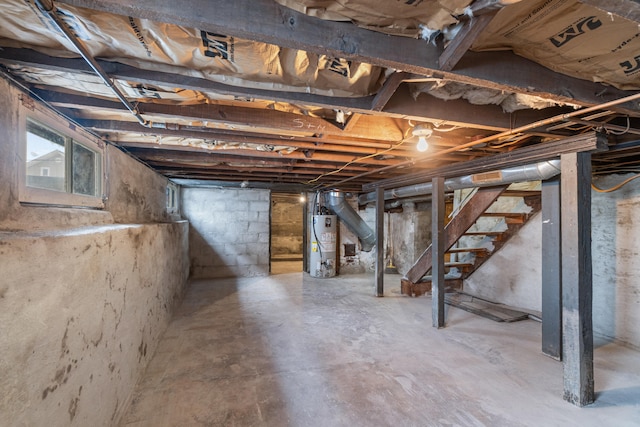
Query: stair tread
x=458, y=264
x=521, y=193
x=458, y=250
x=506, y=214
x=484, y=233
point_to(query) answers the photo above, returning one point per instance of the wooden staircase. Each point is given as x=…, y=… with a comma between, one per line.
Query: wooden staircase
x=415, y=283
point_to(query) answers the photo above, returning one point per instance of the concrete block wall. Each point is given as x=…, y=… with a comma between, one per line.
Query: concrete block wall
x=229, y=231
x=84, y=293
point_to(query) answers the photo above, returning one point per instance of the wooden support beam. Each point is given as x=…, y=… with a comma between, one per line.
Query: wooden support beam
x=269, y=22
x=471, y=29
x=551, y=270
x=456, y=228
x=459, y=112
x=628, y=9
x=380, y=243
x=522, y=156
x=577, y=326
x=438, y=245
x=116, y=70
x=351, y=122
x=388, y=89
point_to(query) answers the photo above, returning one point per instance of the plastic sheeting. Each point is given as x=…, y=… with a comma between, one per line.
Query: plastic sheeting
x=171, y=48
x=571, y=38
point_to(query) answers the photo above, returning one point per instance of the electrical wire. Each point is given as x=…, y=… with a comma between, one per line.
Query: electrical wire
x=615, y=187
x=316, y=179
x=313, y=225
x=611, y=131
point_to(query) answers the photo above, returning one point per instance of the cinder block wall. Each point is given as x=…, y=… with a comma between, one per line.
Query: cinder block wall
x=84, y=294
x=229, y=231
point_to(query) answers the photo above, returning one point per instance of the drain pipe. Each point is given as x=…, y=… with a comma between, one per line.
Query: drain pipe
x=350, y=217
x=535, y=172
x=51, y=10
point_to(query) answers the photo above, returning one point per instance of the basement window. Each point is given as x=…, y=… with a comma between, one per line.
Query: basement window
x=61, y=167
x=172, y=198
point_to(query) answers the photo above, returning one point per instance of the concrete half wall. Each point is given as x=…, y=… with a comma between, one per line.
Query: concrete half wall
x=84, y=293
x=81, y=314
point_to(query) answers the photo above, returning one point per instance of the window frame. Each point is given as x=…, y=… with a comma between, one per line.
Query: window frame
x=172, y=198
x=74, y=135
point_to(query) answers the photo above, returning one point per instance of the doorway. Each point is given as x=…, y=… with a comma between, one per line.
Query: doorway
x=287, y=233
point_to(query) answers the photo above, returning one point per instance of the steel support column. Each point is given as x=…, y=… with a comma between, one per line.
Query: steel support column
x=379, y=242
x=551, y=270
x=438, y=248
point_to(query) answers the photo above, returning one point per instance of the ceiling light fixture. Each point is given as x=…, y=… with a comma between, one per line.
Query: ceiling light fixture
x=422, y=132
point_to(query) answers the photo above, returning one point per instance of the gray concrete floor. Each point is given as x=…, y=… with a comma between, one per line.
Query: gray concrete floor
x=292, y=350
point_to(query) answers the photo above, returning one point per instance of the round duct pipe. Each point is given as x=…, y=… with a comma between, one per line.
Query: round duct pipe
x=350, y=217
x=535, y=172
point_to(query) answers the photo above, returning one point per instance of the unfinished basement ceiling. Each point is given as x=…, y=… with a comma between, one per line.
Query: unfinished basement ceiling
x=325, y=94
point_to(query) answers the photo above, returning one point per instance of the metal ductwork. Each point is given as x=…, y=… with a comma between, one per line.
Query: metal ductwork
x=535, y=172
x=350, y=217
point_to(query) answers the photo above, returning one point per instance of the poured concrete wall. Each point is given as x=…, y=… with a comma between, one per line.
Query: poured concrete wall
x=363, y=261
x=83, y=299
x=410, y=233
x=513, y=275
x=81, y=313
x=616, y=260
x=229, y=231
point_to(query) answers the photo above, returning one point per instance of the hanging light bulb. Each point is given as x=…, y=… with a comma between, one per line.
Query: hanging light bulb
x=422, y=132
x=422, y=144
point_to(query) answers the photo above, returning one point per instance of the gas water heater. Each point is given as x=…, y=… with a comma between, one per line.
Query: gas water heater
x=322, y=253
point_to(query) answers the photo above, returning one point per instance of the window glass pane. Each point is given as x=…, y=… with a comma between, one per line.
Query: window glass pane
x=84, y=170
x=46, y=164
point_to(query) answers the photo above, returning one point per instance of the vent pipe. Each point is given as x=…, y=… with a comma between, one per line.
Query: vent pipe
x=350, y=217
x=535, y=172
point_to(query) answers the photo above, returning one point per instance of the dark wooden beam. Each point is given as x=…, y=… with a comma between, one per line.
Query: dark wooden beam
x=401, y=105
x=438, y=248
x=459, y=112
x=514, y=71
x=388, y=89
x=577, y=288
x=379, y=243
x=267, y=21
x=628, y=9
x=545, y=151
x=220, y=154
x=471, y=29
x=29, y=57
x=384, y=129
x=551, y=270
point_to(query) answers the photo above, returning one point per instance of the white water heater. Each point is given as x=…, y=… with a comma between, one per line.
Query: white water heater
x=322, y=253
